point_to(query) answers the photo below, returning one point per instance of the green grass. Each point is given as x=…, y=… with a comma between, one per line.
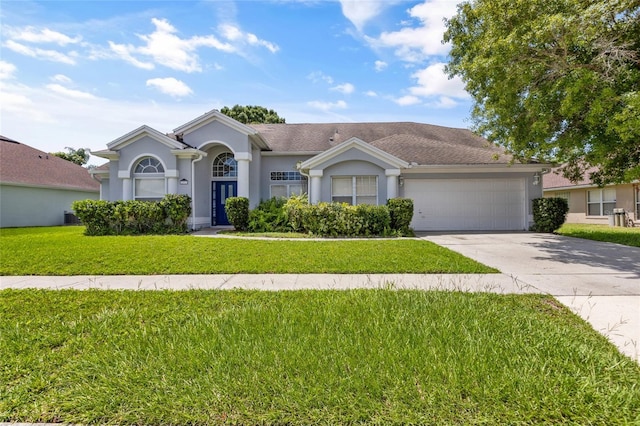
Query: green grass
x=66, y=251
x=620, y=235
x=306, y=357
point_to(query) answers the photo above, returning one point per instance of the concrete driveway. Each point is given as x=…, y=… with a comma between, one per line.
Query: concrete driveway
x=598, y=281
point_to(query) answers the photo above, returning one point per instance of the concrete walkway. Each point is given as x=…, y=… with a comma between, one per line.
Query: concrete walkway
x=598, y=281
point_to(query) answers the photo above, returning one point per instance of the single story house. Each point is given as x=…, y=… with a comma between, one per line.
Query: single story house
x=589, y=203
x=37, y=188
x=457, y=180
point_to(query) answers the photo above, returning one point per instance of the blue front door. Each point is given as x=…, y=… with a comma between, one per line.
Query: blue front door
x=220, y=191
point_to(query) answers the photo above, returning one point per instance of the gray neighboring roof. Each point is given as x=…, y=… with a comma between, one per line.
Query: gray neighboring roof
x=24, y=165
x=411, y=142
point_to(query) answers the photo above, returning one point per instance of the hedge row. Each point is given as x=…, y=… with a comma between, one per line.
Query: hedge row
x=168, y=216
x=322, y=219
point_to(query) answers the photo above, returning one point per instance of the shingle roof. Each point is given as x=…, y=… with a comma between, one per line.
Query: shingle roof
x=412, y=142
x=20, y=163
x=555, y=179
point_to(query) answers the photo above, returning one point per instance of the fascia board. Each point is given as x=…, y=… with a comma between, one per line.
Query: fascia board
x=214, y=115
x=357, y=144
x=475, y=168
x=141, y=132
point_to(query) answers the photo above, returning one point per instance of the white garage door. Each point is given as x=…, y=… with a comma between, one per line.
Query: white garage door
x=467, y=204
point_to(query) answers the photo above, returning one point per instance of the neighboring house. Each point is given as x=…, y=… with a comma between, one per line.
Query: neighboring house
x=589, y=203
x=36, y=188
x=458, y=181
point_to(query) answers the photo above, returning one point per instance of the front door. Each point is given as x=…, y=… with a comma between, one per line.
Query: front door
x=220, y=191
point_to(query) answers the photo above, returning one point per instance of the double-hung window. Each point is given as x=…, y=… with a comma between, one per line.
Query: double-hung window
x=601, y=202
x=354, y=190
x=149, y=182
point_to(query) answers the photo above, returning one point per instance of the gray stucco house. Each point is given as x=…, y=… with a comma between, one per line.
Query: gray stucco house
x=458, y=181
x=37, y=188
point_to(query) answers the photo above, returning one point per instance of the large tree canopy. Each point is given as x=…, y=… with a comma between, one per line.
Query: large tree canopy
x=79, y=156
x=252, y=114
x=556, y=80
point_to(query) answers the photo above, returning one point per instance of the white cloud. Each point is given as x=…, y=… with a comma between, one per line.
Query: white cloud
x=371, y=93
x=380, y=65
x=327, y=106
x=60, y=78
x=7, y=70
x=415, y=44
x=170, y=86
x=49, y=55
x=165, y=47
x=44, y=35
x=432, y=81
x=233, y=33
x=346, y=88
x=445, y=102
x=407, y=100
x=124, y=52
x=70, y=93
x=360, y=12
x=18, y=107
x=317, y=76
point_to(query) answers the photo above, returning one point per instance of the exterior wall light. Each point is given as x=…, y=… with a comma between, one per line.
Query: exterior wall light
x=184, y=181
x=536, y=178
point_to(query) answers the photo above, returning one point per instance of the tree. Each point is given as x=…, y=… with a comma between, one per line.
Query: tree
x=557, y=81
x=252, y=114
x=79, y=156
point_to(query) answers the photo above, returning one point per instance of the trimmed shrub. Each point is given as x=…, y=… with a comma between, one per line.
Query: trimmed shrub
x=176, y=210
x=401, y=213
x=96, y=215
x=269, y=216
x=237, y=209
x=168, y=216
x=337, y=219
x=549, y=214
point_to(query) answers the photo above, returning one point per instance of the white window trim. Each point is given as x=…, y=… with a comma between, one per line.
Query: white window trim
x=354, y=194
x=147, y=176
x=601, y=201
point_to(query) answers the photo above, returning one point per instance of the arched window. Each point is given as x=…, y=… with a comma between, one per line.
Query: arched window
x=225, y=165
x=148, y=180
x=149, y=165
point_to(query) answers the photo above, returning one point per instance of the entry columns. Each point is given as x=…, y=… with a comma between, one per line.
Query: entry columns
x=392, y=182
x=127, y=189
x=316, y=186
x=243, y=159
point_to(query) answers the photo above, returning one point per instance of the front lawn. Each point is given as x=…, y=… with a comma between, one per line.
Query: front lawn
x=620, y=235
x=66, y=251
x=306, y=357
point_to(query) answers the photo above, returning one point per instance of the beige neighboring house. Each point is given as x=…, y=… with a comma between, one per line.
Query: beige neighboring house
x=590, y=204
x=37, y=188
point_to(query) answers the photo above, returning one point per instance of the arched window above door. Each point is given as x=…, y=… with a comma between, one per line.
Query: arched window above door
x=224, y=165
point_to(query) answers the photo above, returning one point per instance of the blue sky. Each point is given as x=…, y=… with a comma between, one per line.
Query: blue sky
x=83, y=73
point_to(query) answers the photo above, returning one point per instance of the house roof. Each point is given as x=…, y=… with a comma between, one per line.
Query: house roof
x=24, y=165
x=555, y=179
x=411, y=142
